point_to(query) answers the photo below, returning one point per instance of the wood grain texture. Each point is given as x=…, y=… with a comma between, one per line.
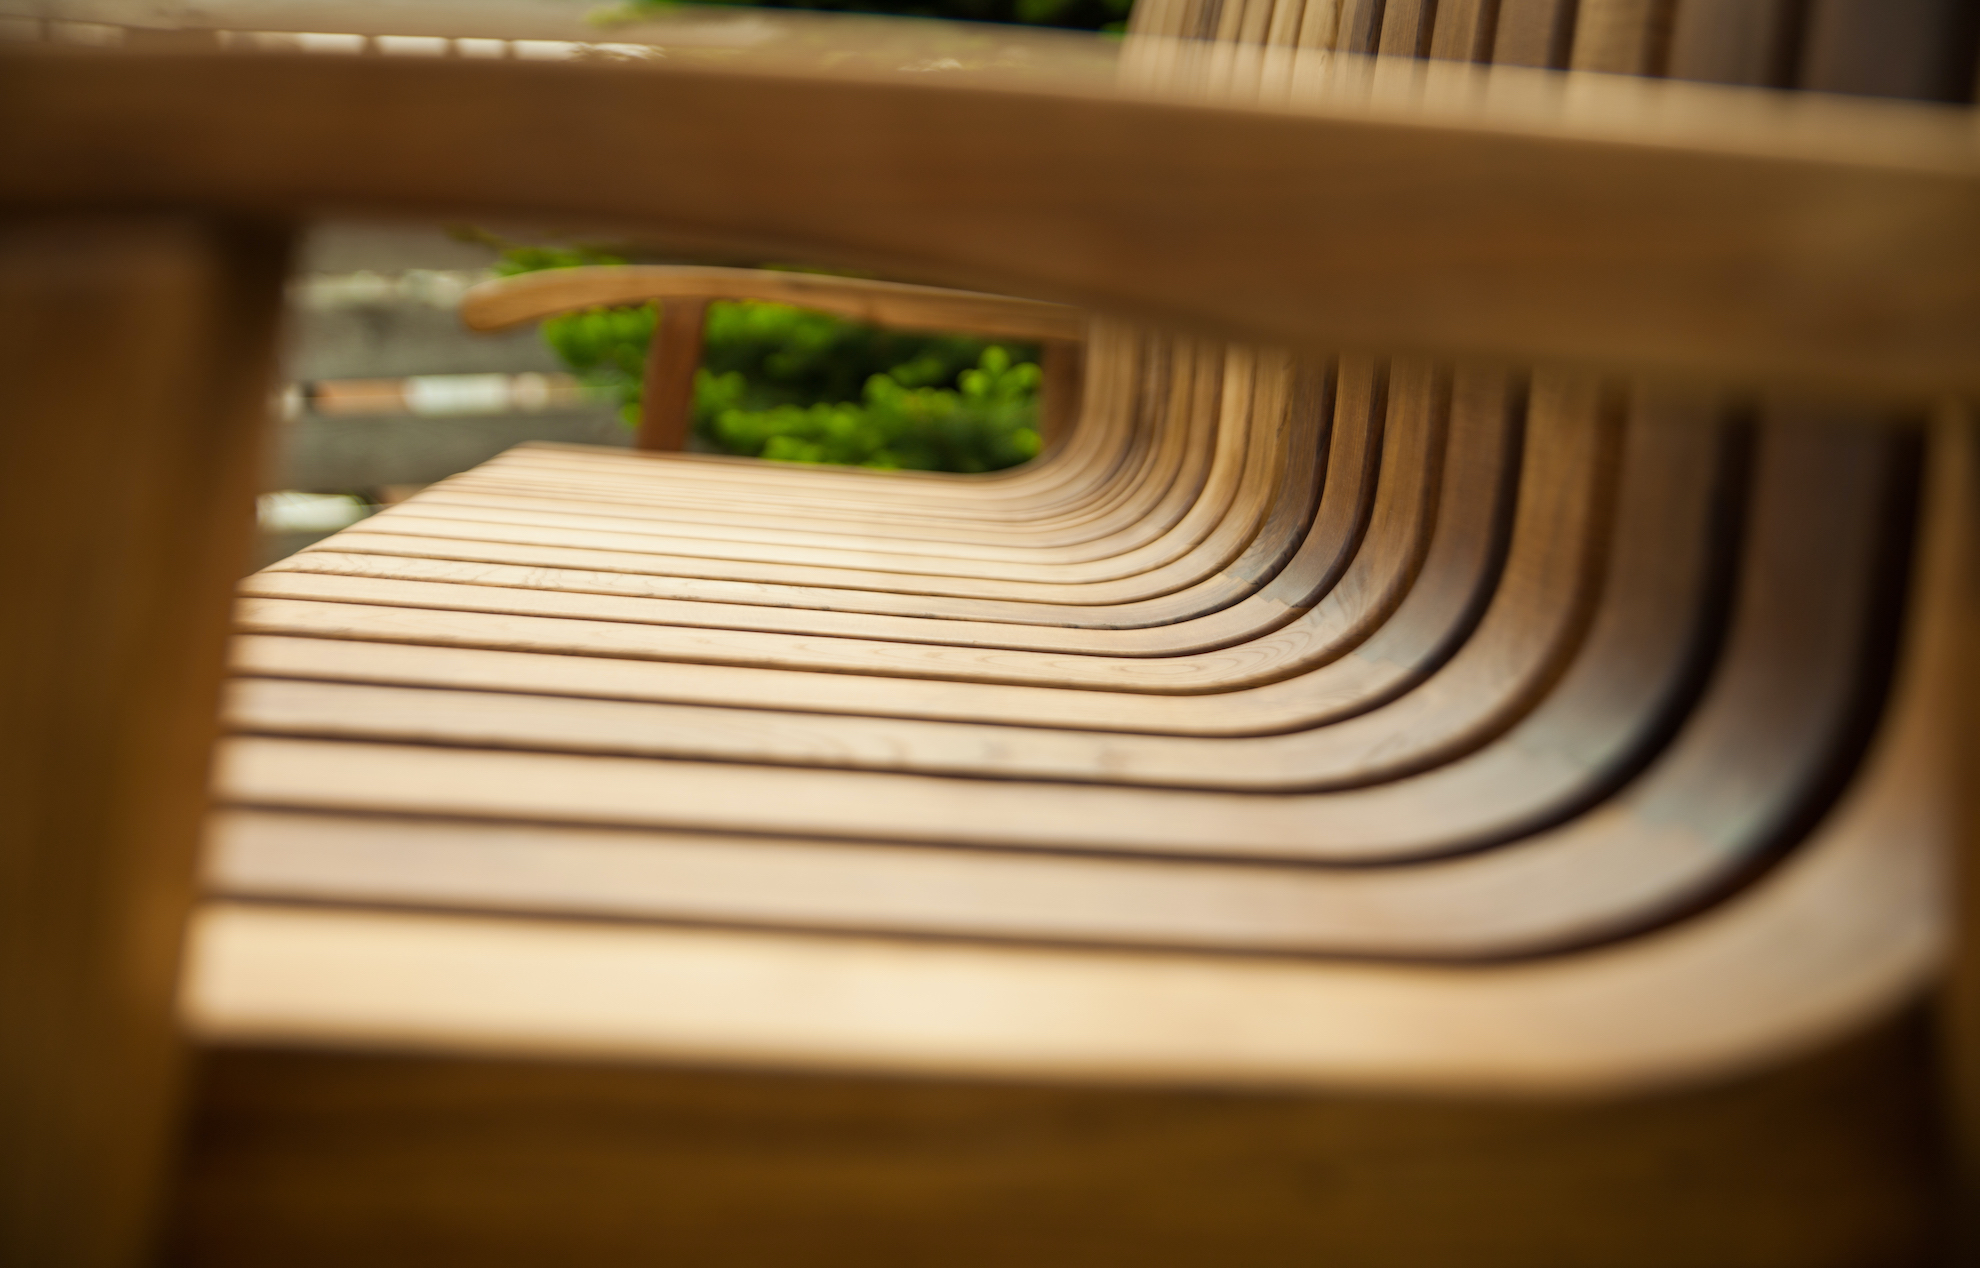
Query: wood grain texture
x=1360, y=26
x=1440, y=582
x=1691, y=999
x=1189, y=539
x=1744, y=767
x=1622, y=37
x=1536, y=33
x=1464, y=30
x=1740, y=765
x=1103, y=452
x=1168, y=492
x=1217, y=572
x=1316, y=640
x=1107, y=453
x=129, y=497
x=1291, y=560
x=1407, y=26
x=1247, y=435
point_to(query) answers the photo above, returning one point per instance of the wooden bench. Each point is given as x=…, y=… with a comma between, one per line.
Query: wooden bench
x=1380, y=807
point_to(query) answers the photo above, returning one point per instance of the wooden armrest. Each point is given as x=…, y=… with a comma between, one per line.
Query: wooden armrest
x=1671, y=227
x=667, y=401
x=511, y=301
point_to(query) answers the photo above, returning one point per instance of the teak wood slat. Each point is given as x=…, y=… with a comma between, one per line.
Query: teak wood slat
x=1303, y=568
x=1724, y=778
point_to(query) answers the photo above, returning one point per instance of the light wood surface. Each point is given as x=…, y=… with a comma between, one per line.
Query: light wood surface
x=1735, y=769
x=1314, y=640
x=1281, y=560
x=1254, y=592
x=1175, y=395
x=1742, y=765
x=1241, y=472
x=1688, y=998
x=1111, y=439
x=1180, y=488
x=1453, y=571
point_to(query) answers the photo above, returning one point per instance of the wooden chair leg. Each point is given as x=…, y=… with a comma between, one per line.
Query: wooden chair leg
x=666, y=410
x=135, y=359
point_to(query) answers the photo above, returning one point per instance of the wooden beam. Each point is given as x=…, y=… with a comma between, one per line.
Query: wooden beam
x=126, y=489
x=1675, y=228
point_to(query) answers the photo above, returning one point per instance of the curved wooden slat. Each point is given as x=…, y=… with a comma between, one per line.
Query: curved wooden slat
x=1857, y=902
x=1249, y=447
x=1451, y=584
x=1292, y=556
x=1124, y=399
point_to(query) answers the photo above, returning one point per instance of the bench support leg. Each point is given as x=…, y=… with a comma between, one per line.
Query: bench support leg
x=666, y=397
x=135, y=359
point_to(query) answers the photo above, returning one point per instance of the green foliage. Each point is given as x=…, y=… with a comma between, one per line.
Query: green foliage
x=794, y=356
x=986, y=422
x=799, y=386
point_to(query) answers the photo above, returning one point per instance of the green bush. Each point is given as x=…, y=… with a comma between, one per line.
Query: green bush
x=794, y=385
x=985, y=423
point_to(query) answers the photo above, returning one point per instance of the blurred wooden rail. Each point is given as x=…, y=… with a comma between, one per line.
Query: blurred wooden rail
x=1676, y=228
